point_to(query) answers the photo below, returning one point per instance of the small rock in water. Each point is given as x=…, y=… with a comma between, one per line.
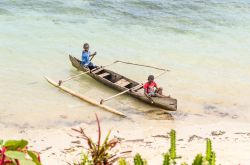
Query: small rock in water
x=32, y=83
x=63, y=116
x=135, y=140
x=198, y=114
x=68, y=150
x=235, y=116
x=161, y=136
x=191, y=138
x=119, y=138
x=46, y=149
x=240, y=133
x=148, y=142
x=217, y=133
x=209, y=107
x=222, y=114
x=159, y=115
x=76, y=142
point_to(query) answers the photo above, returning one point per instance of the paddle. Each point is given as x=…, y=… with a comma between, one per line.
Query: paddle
x=75, y=76
x=93, y=56
x=72, y=77
x=150, y=99
x=103, y=100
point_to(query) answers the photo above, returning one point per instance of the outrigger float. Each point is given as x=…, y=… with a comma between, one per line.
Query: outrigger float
x=117, y=82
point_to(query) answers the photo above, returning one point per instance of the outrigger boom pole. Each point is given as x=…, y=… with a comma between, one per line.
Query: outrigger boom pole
x=137, y=87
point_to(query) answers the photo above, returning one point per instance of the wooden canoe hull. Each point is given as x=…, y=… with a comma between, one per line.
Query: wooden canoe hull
x=164, y=103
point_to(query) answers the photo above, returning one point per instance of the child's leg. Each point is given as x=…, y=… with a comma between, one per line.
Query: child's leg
x=159, y=91
x=91, y=66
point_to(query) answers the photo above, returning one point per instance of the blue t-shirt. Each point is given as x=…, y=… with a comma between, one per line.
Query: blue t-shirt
x=85, y=58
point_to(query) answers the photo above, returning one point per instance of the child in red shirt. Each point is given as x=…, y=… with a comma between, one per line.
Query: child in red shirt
x=151, y=89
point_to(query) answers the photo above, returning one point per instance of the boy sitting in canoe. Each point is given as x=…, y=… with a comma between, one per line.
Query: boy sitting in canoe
x=85, y=57
x=151, y=89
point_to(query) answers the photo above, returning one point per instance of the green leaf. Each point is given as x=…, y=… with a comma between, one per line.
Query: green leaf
x=15, y=155
x=166, y=160
x=104, y=147
x=1, y=142
x=85, y=160
x=138, y=160
x=213, y=159
x=172, y=149
x=122, y=161
x=209, y=150
x=198, y=160
x=26, y=162
x=204, y=161
x=15, y=144
x=34, y=157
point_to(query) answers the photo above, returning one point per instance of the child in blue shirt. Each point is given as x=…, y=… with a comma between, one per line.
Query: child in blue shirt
x=86, y=57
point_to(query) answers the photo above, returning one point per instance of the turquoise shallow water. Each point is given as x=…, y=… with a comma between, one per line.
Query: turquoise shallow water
x=205, y=44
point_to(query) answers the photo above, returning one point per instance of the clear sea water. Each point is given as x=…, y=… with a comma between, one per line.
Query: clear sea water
x=205, y=44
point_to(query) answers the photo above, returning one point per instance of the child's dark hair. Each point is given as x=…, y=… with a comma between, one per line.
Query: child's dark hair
x=85, y=45
x=151, y=77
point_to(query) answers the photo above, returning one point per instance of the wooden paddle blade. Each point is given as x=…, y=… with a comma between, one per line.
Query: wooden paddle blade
x=60, y=82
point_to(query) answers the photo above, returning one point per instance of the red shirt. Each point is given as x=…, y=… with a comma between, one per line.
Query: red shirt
x=150, y=87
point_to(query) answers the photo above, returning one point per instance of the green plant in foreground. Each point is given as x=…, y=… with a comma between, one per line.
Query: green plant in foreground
x=198, y=160
x=210, y=154
x=138, y=160
x=122, y=161
x=166, y=160
x=184, y=163
x=209, y=159
x=172, y=149
x=209, y=150
x=213, y=159
x=170, y=157
x=98, y=154
x=84, y=160
x=15, y=152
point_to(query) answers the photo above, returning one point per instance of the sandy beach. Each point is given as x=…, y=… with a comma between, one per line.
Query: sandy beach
x=231, y=141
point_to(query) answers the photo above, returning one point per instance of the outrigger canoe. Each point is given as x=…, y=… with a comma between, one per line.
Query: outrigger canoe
x=122, y=83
